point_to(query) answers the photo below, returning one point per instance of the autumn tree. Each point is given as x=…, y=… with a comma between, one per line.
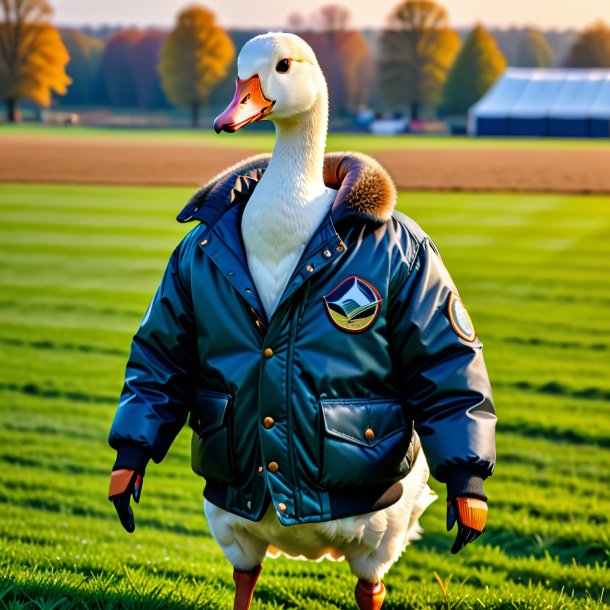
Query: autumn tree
x=416, y=52
x=32, y=55
x=535, y=51
x=85, y=59
x=475, y=70
x=194, y=59
x=591, y=49
x=345, y=57
x=117, y=70
x=144, y=59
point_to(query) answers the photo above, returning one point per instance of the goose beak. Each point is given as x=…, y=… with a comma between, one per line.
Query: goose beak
x=249, y=104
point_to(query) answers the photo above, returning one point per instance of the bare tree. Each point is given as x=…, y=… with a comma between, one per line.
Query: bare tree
x=332, y=18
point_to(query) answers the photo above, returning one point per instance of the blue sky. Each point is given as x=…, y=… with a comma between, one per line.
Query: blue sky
x=273, y=14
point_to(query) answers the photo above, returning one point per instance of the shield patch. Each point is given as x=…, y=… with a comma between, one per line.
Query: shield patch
x=460, y=320
x=353, y=305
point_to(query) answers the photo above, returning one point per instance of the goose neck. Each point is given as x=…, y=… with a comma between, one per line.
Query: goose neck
x=296, y=165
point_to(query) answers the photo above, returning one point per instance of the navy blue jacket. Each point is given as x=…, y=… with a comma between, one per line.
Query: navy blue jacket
x=314, y=409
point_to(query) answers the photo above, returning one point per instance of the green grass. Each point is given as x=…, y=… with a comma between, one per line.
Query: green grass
x=78, y=266
x=261, y=141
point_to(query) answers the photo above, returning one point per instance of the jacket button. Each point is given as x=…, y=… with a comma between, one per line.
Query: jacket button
x=273, y=467
x=310, y=268
x=204, y=242
x=340, y=248
x=327, y=253
x=268, y=352
x=281, y=506
x=268, y=422
x=369, y=435
x=259, y=469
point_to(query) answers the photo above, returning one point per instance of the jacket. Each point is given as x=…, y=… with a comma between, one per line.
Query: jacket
x=317, y=409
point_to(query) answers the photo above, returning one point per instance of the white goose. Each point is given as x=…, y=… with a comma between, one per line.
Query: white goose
x=279, y=78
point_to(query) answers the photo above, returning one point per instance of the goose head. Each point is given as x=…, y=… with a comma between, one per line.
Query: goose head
x=279, y=79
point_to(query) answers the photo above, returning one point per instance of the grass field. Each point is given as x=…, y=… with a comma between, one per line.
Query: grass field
x=78, y=266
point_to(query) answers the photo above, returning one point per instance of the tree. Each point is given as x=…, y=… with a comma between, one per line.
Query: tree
x=591, y=49
x=85, y=59
x=117, y=70
x=416, y=52
x=475, y=70
x=194, y=59
x=345, y=57
x=32, y=56
x=332, y=18
x=535, y=51
x=144, y=59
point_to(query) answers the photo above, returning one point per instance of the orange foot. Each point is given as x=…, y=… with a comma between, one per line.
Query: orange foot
x=244, y=587
x=370, y=595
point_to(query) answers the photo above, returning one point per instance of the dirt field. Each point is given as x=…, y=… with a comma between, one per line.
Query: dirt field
x=89, y=161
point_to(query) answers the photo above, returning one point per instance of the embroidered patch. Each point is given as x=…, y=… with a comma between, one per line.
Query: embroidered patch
x=460, y=320
x=353, y=305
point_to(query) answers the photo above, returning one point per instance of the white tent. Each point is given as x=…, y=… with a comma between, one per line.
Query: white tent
x=543, y=102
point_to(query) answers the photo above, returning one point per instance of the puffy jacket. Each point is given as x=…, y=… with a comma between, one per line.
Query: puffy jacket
x=314, y=409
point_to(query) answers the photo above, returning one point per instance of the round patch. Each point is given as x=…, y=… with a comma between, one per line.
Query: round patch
x=460, y=320
x=353, y=305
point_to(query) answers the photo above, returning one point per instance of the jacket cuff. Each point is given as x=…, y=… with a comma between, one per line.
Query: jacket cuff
x=465, y=483
x=132, y=457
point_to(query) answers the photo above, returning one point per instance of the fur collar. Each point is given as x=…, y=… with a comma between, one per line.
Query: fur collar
x=365, y=188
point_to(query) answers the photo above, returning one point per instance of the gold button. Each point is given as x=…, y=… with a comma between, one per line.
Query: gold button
x=281, y=506
x=340, y=248
x=204, y=242
x=310, y=268
x=327, y=253
x=268, y=352
x=369, y=435
x=259, y=469
x=268, y=422
x=273, y=467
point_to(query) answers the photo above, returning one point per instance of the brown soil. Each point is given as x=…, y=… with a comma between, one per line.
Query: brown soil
x=72, y=160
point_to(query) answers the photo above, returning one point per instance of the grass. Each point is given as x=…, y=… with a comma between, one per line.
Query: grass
x=78, y=266
x=262, y=141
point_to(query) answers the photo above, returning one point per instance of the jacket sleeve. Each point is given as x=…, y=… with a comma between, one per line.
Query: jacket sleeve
x=442, y=375
x=158, y=390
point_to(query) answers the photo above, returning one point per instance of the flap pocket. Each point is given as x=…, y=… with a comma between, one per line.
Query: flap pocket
x=210, y=411
x=364, y=421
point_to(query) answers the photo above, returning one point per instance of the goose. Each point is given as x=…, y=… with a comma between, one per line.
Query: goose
x=280, y=80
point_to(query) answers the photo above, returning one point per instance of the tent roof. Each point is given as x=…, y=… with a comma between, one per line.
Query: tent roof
x=547, y=93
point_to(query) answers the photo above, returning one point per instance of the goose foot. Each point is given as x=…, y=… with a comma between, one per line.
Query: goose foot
x=244, y=587
x=370, y=595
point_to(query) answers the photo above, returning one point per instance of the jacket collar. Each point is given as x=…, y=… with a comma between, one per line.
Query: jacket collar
x=366, y=190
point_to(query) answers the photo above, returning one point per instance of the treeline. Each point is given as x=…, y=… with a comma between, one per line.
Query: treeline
x=417, y=65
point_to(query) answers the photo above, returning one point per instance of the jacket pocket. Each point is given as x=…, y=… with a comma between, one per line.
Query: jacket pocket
x=364, y=441
x=212, y=443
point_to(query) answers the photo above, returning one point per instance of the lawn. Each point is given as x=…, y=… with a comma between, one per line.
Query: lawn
x=78, y=266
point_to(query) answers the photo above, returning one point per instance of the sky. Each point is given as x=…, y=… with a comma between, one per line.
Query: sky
x=273, y=14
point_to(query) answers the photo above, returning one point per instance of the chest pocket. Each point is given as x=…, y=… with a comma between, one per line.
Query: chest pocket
x=364, y=441
x=212, y=443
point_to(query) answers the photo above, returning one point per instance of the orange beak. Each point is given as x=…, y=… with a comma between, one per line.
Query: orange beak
x=249, y=104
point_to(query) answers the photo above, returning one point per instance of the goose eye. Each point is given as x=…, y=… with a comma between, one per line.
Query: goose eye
x=283, y=65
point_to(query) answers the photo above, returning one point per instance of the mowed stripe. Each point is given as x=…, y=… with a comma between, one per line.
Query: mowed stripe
x=74, y=288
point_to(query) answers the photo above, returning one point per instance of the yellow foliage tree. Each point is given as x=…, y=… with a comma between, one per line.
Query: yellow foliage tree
x=416, y=52
x=194, y=59
x=32, y=56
